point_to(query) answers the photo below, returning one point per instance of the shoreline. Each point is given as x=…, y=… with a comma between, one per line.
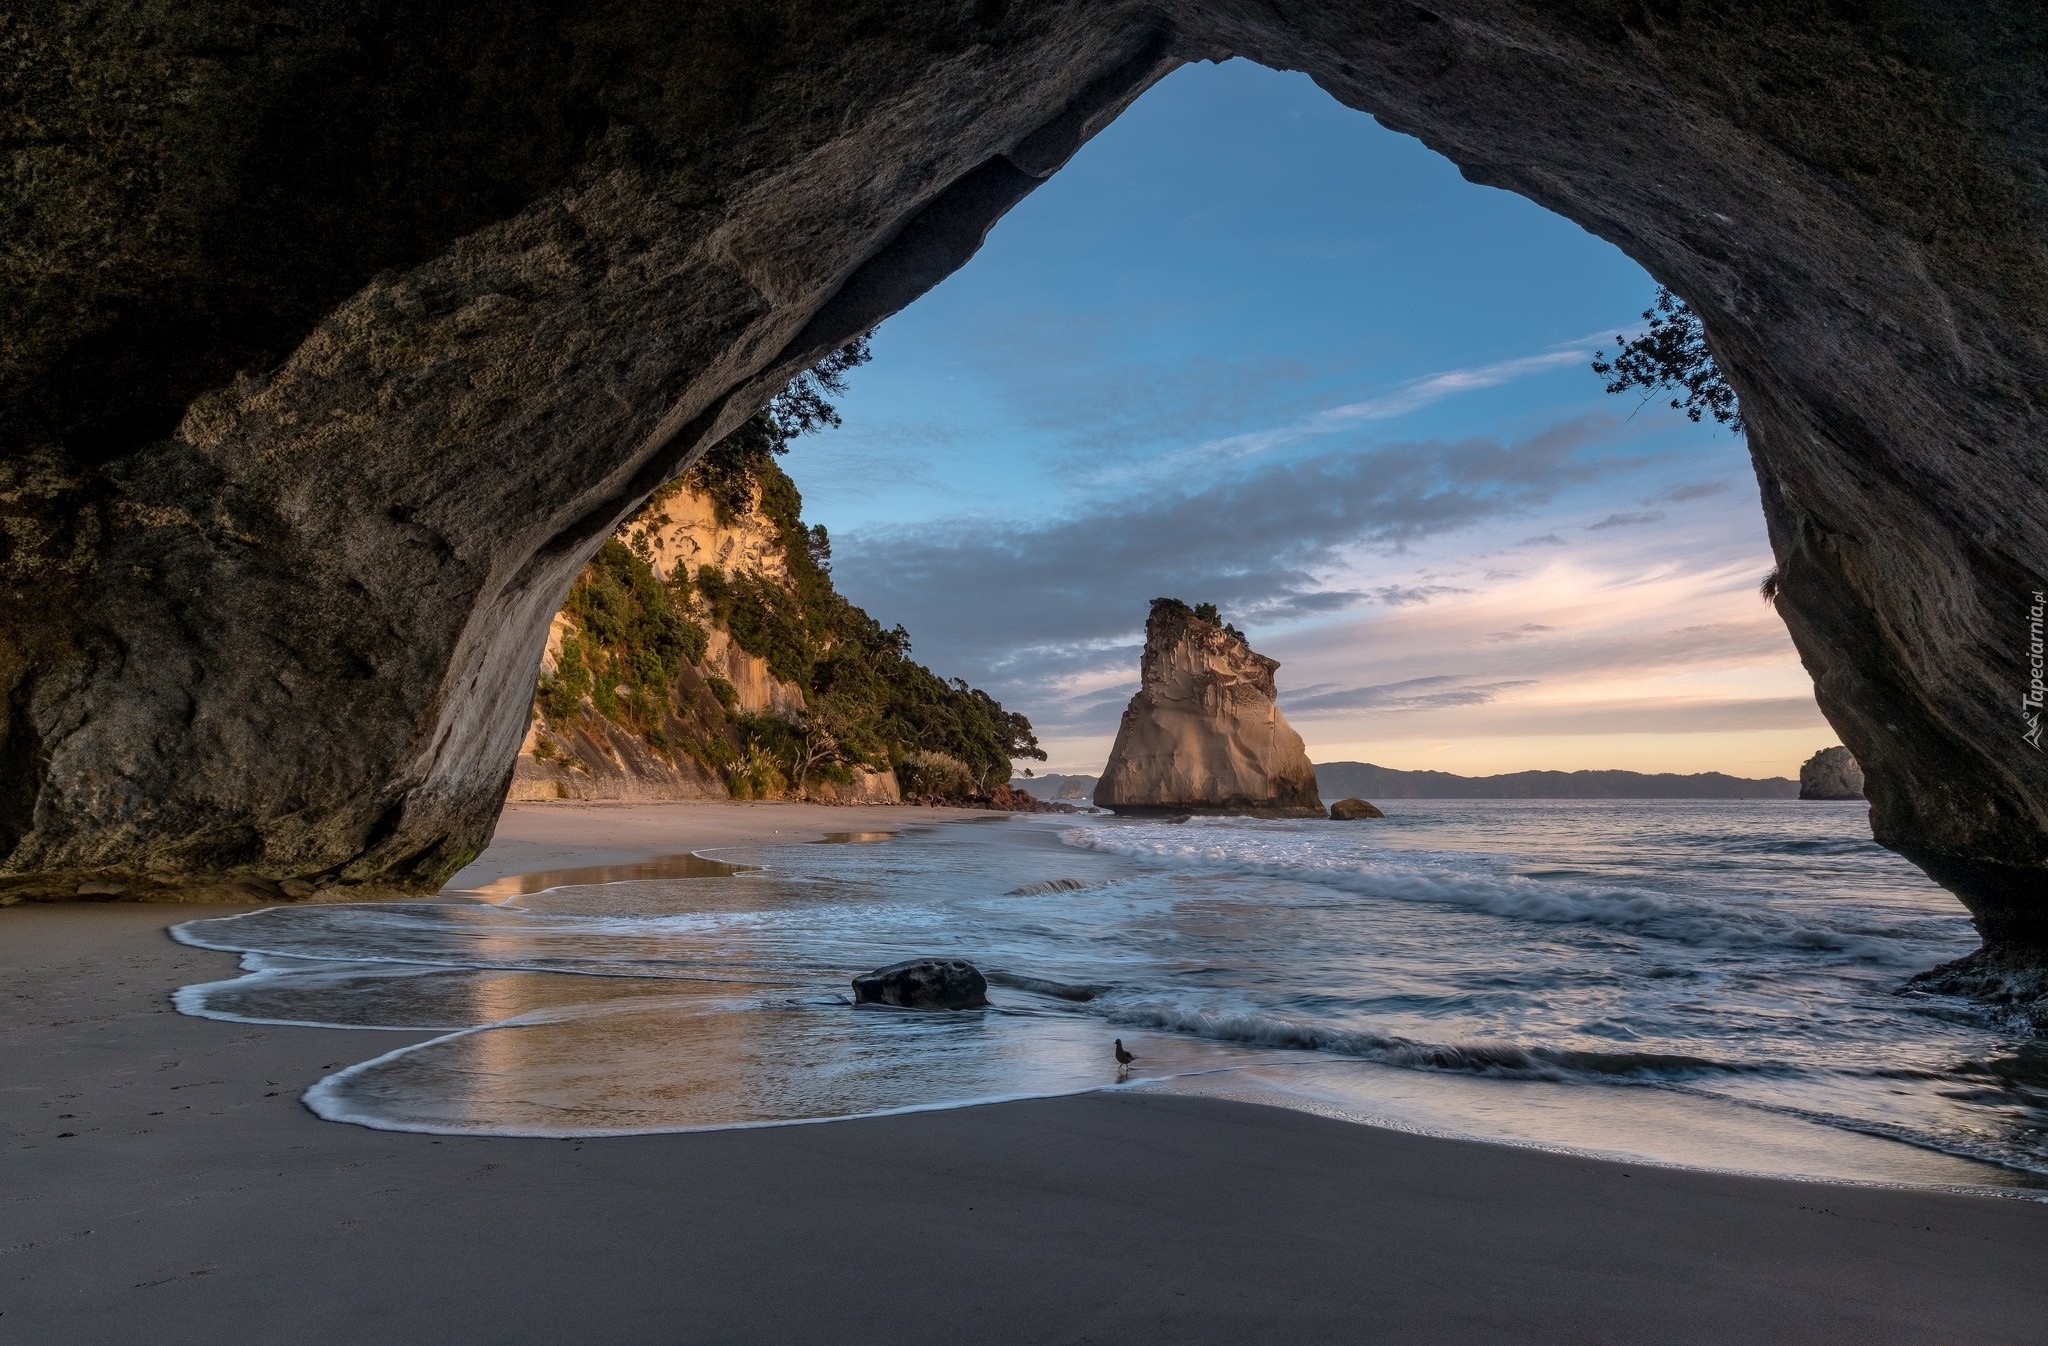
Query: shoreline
x=541, y=835
x=168, y=1185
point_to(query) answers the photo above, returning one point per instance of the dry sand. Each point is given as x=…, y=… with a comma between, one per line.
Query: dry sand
x=163, y=1185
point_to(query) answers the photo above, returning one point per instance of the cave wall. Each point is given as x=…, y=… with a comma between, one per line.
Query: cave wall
x=335, y=336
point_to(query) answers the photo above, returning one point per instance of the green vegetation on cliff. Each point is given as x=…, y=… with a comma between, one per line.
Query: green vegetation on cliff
x=636, y=656
x=634, y=639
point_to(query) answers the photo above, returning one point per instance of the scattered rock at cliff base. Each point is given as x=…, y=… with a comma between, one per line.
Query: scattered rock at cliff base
x=1010, y=799
x=1831, y=773
x=1350, y=810
x=1203, y=734
x=923, y=983
x=2013, y=981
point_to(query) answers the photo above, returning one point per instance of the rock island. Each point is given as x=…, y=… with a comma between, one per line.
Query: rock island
x=1204, y=734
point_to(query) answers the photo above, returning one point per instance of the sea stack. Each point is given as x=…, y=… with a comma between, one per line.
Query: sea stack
x=1203, y=734
x=1831, y=773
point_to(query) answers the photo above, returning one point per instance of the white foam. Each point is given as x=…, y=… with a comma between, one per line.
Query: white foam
x=1458, y=879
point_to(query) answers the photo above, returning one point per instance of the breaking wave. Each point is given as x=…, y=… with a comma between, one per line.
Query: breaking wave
x=1500, y=1059
x=1049, y=886
x=1458, y=882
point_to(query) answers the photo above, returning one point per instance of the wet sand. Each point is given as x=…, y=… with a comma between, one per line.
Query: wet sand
x=164, y=1185
x=578, y=835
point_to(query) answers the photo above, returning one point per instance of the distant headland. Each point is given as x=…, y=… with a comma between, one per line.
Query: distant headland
x=1337, y=780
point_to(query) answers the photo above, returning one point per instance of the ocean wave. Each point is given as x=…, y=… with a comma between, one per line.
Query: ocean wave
x=1059, y=990
x=1498, y=1059
x=1636, y=911
x=1051, y=886
x=2014, y=1157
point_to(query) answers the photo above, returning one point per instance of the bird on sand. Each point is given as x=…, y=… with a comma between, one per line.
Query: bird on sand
x=1123, y=1057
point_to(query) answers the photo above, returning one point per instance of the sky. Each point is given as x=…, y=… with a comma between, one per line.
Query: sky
x=1251, y=348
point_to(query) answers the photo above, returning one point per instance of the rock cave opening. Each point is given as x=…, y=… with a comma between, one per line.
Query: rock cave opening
x=322, y=384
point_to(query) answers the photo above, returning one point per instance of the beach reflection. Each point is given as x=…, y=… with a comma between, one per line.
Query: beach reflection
x=661, y=867
x=672, y=1065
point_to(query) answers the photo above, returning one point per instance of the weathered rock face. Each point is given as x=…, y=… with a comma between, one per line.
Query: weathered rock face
x=336, y=340
x=923, y=983
x=1204, y=733
x=1831, y=773
x=589, y=756
x=1352, y=810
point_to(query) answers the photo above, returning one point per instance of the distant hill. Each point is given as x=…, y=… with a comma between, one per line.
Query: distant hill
x=1065, y=789
x=1341, y=780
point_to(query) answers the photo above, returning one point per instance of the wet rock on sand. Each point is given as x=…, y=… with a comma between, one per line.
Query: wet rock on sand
x=923, y=983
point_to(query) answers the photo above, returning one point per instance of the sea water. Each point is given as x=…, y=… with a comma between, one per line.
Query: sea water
x=1702, y=983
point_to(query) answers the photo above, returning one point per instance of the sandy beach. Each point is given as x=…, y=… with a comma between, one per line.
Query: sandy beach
x=165, y=1185
x=538, y=838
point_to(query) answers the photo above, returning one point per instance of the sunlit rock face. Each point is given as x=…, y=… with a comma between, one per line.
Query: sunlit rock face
x=1831, y=773
x=1204, y=733
x=333, y=346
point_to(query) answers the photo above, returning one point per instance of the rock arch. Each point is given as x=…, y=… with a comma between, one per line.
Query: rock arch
x=333, y=343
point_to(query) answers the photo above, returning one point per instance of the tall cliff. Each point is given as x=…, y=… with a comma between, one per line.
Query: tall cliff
x=704, y=654
x=1204, y=733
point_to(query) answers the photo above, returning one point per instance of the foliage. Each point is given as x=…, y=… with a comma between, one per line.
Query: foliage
x=726, y=472
x=1207, y=612
x=633, y=640
x=866, y=701
x=859, y=675
x=756, y=775
x=1672, y=356
x=934, y=774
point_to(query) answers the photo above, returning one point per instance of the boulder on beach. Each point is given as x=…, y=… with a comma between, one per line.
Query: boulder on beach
x=1203, y=734
x=1348, y=810
x=923, y=983
x=1831, y=773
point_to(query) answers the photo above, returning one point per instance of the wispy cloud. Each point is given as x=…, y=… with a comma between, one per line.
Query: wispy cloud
x=1263, y=542
x=1408, y=595
x=1655, y=715
x=1631, y=520
x=1413, y=694
x=1678, y=495
x=1405, y=399
x=1409, y=397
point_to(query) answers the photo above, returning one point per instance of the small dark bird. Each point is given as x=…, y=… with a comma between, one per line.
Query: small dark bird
x=1123, y=1057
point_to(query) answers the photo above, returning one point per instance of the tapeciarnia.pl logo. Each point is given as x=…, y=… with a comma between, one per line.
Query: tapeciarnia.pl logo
x=2037, y=690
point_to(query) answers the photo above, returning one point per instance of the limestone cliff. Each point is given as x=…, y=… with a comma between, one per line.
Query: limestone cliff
x=1204, y=733
x=618, y=742
x=703, y=654
x=1831, y=773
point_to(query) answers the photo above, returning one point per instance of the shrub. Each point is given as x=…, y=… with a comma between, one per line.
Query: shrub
x=937, y=774
x=756, y=775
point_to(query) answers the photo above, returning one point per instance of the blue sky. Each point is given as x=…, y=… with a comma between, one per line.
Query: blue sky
x=1251, y=347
